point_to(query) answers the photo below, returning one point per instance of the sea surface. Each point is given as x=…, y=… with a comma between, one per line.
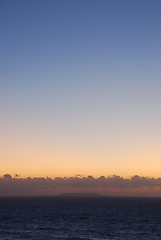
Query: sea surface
x=76, y=218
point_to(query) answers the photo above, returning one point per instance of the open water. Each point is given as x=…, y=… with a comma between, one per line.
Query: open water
x=75, y=218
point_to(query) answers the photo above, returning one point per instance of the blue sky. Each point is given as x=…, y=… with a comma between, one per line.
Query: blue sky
x=82, y=77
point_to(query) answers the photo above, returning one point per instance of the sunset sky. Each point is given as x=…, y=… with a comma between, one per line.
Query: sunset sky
x=80, y=88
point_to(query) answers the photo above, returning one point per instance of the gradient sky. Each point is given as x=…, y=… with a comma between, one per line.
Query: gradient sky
x=80, y=87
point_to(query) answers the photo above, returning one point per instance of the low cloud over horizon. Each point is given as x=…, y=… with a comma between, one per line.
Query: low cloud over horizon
x=110, y=186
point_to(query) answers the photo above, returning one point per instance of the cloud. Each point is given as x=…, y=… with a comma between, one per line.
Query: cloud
x=7, y=176
x=111, y=185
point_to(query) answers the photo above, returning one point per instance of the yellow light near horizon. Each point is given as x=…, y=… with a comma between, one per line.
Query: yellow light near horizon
x=41, y=157
x=69, y=163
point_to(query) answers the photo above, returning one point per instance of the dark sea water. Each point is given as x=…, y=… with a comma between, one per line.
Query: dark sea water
x=74, y=218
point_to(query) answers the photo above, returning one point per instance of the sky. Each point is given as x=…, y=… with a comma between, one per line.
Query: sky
x=80, y=86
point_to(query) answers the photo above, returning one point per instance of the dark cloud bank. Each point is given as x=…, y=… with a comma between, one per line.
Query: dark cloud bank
x=110, y=186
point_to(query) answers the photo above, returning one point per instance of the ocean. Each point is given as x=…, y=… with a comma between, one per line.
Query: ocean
x=80, y=218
